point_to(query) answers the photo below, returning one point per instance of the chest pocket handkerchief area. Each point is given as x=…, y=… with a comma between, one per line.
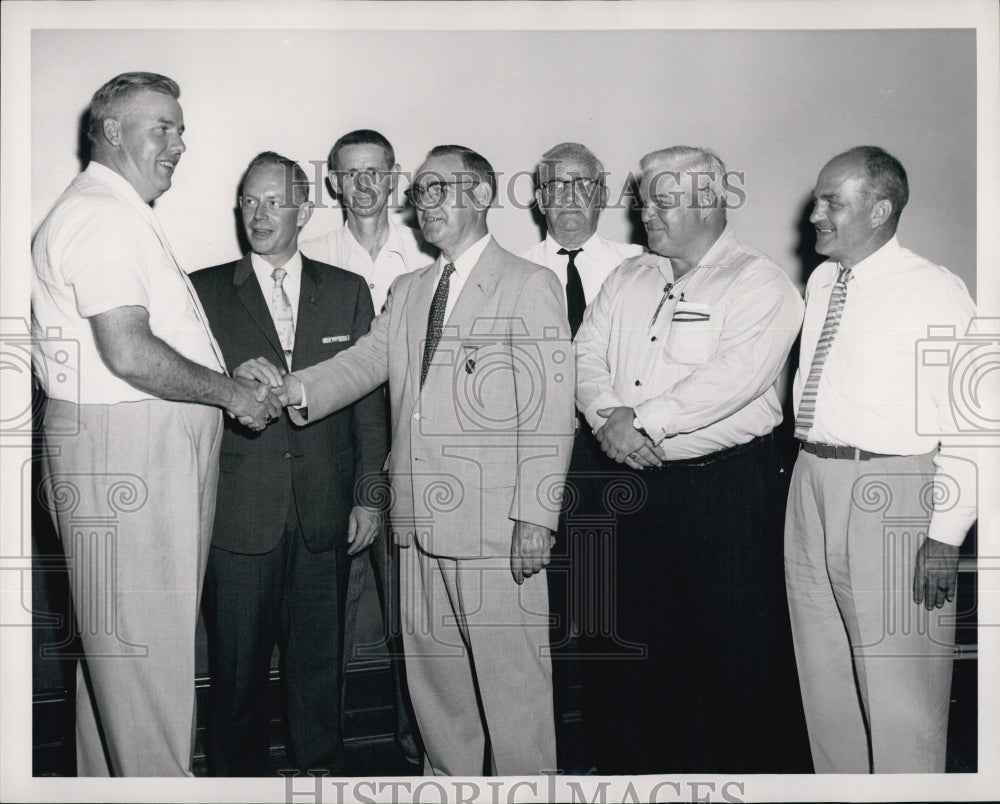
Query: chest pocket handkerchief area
x=336, y=338
x=692, y=336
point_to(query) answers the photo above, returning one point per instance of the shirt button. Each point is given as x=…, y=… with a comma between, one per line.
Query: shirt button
x=371, y=285
x=416, y=416
x=653, y=338
x=638, y=383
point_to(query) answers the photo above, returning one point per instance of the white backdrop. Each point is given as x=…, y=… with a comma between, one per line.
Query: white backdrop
x=775, y=88
x=774, y=104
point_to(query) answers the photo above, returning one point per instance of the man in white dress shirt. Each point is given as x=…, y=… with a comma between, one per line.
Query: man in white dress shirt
x=678, y=360
x=132, y=432
x=871, y=553
x=363, y=175
x=571, y=192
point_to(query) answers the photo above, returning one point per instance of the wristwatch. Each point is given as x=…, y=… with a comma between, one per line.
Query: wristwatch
x=638, y=426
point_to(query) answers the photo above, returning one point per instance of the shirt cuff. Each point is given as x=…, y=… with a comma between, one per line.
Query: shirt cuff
x=604, y=400
x=655, y=417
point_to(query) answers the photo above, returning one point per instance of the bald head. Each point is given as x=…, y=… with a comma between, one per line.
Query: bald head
x=858, y=198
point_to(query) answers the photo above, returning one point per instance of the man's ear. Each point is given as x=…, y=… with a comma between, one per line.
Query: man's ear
x=602, y=198
x=333, y=183
x=881, y=212
x=394, y=172
x=483, y=195
x=112, y=131
x=304, y=214
x=538, y=201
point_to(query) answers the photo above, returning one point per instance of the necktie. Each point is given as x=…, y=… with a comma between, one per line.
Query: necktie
x=807, y=405
x=281, y=310
x=435, y=319
x=576, y=302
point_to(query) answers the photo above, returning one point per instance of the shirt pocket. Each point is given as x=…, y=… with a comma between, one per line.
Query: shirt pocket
x=693, y=334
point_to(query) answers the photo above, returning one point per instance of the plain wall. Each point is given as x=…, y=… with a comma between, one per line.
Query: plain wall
x=774, y=104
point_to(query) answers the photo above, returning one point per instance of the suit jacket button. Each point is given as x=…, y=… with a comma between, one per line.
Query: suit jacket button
x=288, y=455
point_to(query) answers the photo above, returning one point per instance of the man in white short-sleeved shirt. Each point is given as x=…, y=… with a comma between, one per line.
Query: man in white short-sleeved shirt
x=132, y=428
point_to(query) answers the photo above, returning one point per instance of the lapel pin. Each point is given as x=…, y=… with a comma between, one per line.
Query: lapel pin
x=470, y=366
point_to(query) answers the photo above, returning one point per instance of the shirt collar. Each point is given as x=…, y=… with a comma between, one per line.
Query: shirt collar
x=118, y=184
x=591, y=247
x=725, y=243
x=393, y=242
x=467, y=260
x=872, y=265
x=264, y=269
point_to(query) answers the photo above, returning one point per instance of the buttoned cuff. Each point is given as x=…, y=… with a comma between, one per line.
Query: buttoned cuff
x=605, y=400
x=656, y=419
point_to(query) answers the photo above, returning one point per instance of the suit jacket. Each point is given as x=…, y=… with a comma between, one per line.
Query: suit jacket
x=261, y=474
x=487, y=439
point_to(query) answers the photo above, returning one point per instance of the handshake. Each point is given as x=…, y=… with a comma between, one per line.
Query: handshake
x=260, y=391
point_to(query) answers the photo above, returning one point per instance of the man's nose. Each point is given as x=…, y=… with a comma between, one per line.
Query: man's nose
x=817, y=213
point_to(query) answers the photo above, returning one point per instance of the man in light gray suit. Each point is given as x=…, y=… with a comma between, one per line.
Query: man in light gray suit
x=477, y=353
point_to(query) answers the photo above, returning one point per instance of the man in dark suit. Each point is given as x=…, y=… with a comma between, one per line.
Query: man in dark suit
x=291, y=508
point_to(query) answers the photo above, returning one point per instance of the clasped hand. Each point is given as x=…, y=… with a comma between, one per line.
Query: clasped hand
x=622, y=442
x=261, y=393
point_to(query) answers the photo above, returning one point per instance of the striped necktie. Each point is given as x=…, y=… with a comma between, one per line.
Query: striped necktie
x=281, y=310
x=435, y=319
x=807, y=405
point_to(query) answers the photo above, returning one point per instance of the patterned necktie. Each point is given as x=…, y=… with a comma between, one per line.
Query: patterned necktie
x=807, y=405
x=435, y=319
x=576, y=302
x=281, y=310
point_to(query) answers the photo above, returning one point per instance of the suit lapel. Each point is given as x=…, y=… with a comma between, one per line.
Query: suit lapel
x=479, y=286
x=313, y=298
x=418, y=308
x=249, y=293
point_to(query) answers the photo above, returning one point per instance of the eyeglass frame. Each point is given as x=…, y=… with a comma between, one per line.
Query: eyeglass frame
x=576, y=185
x=417, y=193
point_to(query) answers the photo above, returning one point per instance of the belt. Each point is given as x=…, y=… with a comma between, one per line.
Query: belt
x=843, y=453
x=714, y=457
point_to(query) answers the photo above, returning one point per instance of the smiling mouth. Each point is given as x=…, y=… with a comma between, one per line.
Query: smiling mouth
x=260, y=232
x=168, y=165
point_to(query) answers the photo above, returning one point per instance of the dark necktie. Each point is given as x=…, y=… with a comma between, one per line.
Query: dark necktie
x=576, y=302
x=435, y=319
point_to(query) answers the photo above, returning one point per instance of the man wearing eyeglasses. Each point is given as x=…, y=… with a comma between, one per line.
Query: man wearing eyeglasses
x=363, y=175
x=571, y=193
x=476, y=349
x=678, y=359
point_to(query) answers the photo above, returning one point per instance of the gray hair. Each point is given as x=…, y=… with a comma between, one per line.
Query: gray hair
x=569, y=150
x=110, y=98
x=691, y=160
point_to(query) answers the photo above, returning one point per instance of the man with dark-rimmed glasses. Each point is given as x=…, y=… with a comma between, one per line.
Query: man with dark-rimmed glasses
x=571, y=192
